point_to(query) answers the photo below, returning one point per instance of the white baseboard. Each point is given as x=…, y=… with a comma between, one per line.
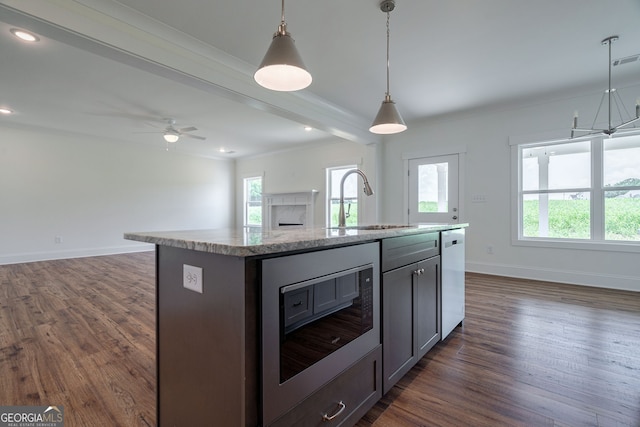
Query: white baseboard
x=73, y=253
x=600, y=280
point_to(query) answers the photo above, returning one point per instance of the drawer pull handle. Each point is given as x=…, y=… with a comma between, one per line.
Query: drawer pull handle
x=341, y=407
x=297, y=304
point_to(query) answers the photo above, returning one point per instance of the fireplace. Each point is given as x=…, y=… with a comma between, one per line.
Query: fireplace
x=289, y=210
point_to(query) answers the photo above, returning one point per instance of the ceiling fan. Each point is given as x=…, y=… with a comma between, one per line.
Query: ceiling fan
x=172, y=134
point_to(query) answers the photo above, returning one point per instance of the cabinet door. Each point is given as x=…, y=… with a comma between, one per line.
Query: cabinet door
x=427, y=307
x=398, y=336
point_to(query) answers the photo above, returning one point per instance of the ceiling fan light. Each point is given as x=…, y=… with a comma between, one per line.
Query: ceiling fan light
x=171, y=136
x=282, y=68
x=388, y=119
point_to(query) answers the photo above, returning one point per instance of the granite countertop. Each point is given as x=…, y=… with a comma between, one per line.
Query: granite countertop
x=252, y=241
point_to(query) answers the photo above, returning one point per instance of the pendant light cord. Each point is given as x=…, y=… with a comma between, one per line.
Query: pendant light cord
x=388, y=92
x=283, y=13
x=610, y=90
x=282, y=28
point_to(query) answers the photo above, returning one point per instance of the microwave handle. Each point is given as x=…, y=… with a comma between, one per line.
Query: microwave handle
x=315, y=280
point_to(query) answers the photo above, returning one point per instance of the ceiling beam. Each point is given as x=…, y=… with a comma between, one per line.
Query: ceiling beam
x=121, y=34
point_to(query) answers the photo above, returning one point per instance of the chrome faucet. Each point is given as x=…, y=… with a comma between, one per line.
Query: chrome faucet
x=367, y=190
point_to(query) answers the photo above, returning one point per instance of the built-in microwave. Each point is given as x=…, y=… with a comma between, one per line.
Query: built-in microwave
x=320, y=315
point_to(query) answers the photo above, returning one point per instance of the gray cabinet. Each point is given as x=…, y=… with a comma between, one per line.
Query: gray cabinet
x=353, y=392
x=427, y=306
x=410, y=302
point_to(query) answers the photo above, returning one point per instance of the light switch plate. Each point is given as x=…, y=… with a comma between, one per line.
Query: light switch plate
x=192, y=278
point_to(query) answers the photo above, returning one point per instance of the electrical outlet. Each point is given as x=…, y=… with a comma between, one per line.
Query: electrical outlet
x=490, y=249
x=192, y=278
x=57, y=239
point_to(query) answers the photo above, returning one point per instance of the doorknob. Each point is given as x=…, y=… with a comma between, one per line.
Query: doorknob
x=455, y=217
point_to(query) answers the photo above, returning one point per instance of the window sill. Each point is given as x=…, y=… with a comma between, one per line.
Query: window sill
x=632, y=247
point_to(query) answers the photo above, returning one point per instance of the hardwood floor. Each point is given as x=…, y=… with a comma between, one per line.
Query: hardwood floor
x=81, y=333
x=529, y=354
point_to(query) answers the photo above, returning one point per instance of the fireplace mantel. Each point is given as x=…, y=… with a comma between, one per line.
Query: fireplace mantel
x=288, y=210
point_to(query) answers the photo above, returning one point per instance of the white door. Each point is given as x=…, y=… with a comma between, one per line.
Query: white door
x=433, y=189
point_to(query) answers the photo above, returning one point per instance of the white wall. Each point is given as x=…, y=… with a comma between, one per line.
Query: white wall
x=485, y=133
x=304, y=170
x=89, y=192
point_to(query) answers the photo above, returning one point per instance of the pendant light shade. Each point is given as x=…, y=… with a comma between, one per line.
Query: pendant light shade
x=282, y=68
x=388, y=119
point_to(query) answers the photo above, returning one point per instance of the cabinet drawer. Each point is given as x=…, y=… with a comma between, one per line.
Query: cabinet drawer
x=403, y=250
x=358, y=389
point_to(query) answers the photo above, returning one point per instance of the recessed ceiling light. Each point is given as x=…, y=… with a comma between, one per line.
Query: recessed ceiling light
x=225, y=151
x=24, y=35
x=308, y=128
x=5, y=111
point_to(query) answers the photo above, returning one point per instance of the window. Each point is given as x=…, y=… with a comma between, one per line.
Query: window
x=621, y=178
x=253, y=201
x=580, y=190
x=334, y=176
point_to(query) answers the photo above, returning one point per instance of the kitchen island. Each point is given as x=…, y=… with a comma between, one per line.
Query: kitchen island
x=232, y=306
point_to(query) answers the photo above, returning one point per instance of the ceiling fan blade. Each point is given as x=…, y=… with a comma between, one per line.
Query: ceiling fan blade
x=201, y=138
x=188, y=129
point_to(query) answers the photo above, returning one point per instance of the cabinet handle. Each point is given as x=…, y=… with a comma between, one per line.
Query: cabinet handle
x=297, y=304
x=419, y=271
x=341, y=407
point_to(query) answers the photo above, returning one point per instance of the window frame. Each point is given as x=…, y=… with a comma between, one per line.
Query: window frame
x=328, y=199
x=596, y=190
x=246, y=182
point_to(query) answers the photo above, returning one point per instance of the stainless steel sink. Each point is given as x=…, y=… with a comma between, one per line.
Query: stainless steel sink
x=374, y=227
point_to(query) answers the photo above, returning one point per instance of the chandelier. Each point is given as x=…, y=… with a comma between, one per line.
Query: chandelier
x=612, y=98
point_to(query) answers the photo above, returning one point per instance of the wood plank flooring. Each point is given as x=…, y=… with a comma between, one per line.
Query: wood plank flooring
x=529, y=354
x=81, y=333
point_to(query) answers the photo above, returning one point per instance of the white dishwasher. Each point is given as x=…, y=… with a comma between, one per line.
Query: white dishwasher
x=452, y=294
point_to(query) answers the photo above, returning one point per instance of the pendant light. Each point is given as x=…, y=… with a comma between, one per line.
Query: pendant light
x=613, y=98
x=282, y=68
x=388, y=120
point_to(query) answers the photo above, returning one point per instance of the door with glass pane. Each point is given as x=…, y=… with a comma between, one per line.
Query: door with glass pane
x=433, y=189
